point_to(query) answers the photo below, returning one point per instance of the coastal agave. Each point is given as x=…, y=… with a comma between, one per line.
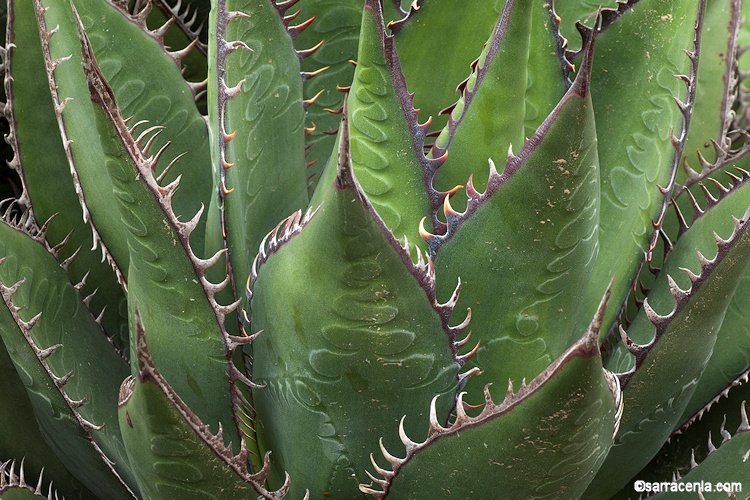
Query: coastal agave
x=235, y=263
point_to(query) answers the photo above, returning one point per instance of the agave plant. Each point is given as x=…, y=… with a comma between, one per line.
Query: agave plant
x=428, y=249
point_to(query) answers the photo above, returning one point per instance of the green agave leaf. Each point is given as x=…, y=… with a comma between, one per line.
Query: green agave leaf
x=186, y=332
x=725, y=465
x=542, y=441
x=489, y=118
x=673, y=335
x=77, y=125
x=40, y=157
x=643, y=112
x=256, y=122
x=695, y=440
x=336, y=26
x=387, y=142
x=72, y=398
x=174, y=453
x=374, y=343
x=144, y=88
x=715, y=94
x=524, y=248
x=20, y=436
x=436, y=51
x=730, y=358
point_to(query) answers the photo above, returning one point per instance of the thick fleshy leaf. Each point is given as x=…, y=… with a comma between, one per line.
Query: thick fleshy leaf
x=20, y=437
x=436, y=51
x=634, y=91
x=186, y=332
x=490, y=117
x=174, y=452
x=256, y=118
x=544, y=440
x=336, y=26
x=143, y=89
x=673, y=335
x=387, y=142
x=730, y=357
x=696, y=440
x=725, y=468
x=348, y=345
x=51, y=337
x=40, y=158
x=716, y=92
x=524, y=248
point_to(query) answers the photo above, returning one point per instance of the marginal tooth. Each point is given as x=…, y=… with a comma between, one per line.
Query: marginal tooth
x=161, y=31
x=381, y=482
x=87, y=300
x=509, y=392
x=64, y=264
x=214, y=288
x=466, y=357
x=206, y=263
x=677, y=292
x=383, y=472
x=655, y=318
x=224, y=190
x=147, y=147
x=450, y=213
x=304, y=53
x=143, y=134
x=166, y=170
x=61, y=381
x=45, y=353
x=744, y=424
x=228, y=309
x=299, y=28
x=131, y=130
x=690, y=274
x=28, y=325
x=711, y=447
x=433, y=423
x=725, y=435
x=464, y=341
x=693, y=463
x=179, y=55
x=90, y=425
x=240, y=377
x=308, y=102
x=395, y=462
x=155, y=159
x=423, y=233
x=311, y=129
x=367, y=491
x=470, y=189
x=188, y=227
x=461, y=415
x=168, y=191
x=408, y=443
x=463, y=377
x=306, y=75
x=454, y=296
x=101, y=316
x=704, y=262
x=231, y=15
x=235, y=90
